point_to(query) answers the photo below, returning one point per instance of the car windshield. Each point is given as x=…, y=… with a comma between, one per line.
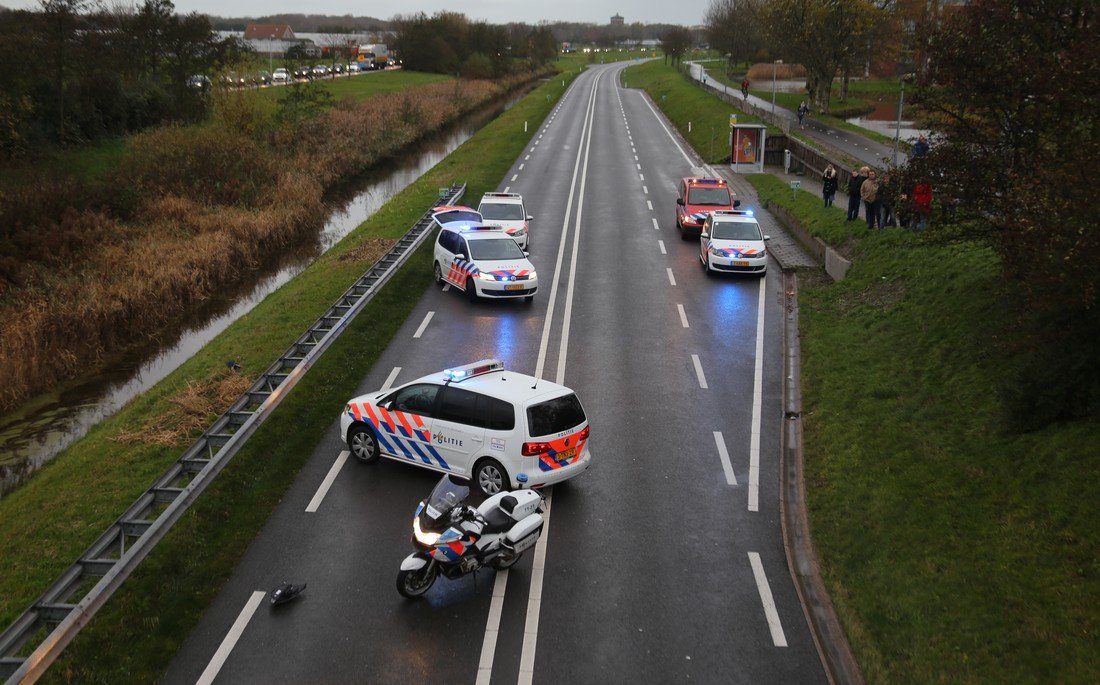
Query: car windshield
x=494, y=249
x=458, y=215
x=735, y=230
x=448, y=494
x=709, y=196
x=501, y=211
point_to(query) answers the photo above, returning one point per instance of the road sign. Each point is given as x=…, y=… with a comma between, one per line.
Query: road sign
x=795, y=185
x=733, y=120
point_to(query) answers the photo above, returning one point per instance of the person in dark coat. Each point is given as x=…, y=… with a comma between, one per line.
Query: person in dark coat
x=855, y=182
x=802, y=111
x=887, y=199
x=829, y=182
x=920, y=148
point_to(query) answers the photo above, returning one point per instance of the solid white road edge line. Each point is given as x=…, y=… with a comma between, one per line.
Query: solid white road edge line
x=492, y=629
x=315, y=503
x=534, y=603
x=218, y=660
x=778, y=637
x=683, y=316
x=724, y=455
x=391, y=378
x=757, y=401
x=424, y=324
x=699, y=371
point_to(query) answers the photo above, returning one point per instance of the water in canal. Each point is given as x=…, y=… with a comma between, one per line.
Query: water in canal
x=35, y=433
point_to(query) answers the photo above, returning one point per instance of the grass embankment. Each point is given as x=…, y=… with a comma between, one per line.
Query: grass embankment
x=100, y=266
x=954, y=550
x=682, y=102
x=56, y=514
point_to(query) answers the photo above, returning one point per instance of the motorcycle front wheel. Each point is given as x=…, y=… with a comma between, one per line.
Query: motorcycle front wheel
x=418, y=581
x=505, y=561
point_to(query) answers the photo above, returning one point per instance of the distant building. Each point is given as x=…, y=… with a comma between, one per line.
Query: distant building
x=617, y=20
x=270, y=39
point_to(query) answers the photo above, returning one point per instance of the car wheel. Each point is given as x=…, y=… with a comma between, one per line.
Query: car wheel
x=415, y=583
x=363, y=443
x=438, y=274
x=490, y=477
x=471, y=291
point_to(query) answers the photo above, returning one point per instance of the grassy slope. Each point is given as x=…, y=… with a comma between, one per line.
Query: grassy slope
x=683, y=102
x=97, y=477
x=954, y=551
x=854, y=107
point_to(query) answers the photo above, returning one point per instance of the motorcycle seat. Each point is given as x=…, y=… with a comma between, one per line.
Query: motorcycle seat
x=496, y=521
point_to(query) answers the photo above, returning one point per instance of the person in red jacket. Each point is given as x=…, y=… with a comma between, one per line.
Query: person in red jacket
x=922, y=204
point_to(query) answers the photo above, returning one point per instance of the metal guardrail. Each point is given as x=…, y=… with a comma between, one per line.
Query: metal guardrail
x=119, y=550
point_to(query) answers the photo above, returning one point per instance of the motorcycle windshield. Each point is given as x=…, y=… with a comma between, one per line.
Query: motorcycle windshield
x=448, y=494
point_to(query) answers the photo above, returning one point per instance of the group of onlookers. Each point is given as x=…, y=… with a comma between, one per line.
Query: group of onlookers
x=883, y=203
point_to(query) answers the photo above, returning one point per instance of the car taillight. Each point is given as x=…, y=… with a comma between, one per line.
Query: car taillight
x=584, y=433
x=533, y=449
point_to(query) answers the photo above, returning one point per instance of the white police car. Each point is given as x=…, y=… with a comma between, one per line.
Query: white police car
x=482, y=261
x=501, y=429
x=506, y=211
x=731, y=242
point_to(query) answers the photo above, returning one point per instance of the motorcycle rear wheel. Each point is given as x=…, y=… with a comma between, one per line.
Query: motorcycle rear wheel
x=503, y=562
x=418, y=581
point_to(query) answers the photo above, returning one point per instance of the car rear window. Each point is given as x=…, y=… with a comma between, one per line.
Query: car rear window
x=458, y=215
x=555, y=416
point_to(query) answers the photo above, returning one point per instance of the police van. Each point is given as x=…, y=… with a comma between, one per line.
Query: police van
x=500, y=429
x=506, y=211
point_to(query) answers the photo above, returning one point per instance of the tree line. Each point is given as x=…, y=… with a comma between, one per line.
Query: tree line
x=73, y=72
x=1010, y=91
x=449, y=43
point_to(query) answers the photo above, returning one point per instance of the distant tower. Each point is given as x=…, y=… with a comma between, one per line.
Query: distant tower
x=617, y=20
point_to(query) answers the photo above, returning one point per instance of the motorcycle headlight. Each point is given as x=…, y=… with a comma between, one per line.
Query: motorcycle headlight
x=424, y=538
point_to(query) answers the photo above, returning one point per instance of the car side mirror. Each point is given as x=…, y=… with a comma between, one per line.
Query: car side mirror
x=460, y=256
x=736, y=203
x=530, y=218
x=526, y=253
x=704, y=235
x=767, y=237
x=680, y=201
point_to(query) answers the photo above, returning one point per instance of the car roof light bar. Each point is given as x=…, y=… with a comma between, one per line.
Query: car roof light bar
x=478, y=368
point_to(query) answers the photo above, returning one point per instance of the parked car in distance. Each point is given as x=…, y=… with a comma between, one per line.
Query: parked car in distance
x=199, y=82
x=281, y=75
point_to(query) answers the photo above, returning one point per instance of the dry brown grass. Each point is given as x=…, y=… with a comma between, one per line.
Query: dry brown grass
x=202, y=209
x=191, y=411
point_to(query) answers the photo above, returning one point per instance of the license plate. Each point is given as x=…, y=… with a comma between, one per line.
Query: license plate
x=514, y=286
x=739, y=263
x=567, y=454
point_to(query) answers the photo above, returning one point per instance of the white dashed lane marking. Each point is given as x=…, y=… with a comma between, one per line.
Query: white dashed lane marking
x=230, y=640
x=319, y=496
x=424, y=324
x=661, y=244
x=671, y=278
x=724, y=455
x=779, y=639
x=683, y=316
x=699, y=371
x=656, y=226
x=649, y=203
x=514, y=177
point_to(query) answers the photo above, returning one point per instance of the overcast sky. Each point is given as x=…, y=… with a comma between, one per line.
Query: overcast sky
x=686, y=12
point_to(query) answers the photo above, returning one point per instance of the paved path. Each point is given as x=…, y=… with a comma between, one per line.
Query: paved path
x=851, y=144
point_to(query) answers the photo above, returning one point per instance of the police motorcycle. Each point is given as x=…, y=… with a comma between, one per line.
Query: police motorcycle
x=453, y=538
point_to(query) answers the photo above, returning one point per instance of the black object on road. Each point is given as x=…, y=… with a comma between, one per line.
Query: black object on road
x=285, y=592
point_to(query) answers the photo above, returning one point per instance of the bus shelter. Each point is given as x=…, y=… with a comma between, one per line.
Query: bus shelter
x=747, y=148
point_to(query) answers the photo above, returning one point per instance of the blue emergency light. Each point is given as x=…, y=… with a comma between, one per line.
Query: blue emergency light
x=478, y=368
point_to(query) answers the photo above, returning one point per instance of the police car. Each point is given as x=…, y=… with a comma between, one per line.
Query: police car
x=506, y=211
x=731, y=242
x=696, y=197
x=499, y=428
x=481, y=260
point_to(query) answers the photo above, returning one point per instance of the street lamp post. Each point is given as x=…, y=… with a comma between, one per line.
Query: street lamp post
x=897, y=127
x=776, y=62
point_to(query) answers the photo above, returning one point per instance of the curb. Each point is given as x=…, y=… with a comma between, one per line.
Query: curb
x=828, y=635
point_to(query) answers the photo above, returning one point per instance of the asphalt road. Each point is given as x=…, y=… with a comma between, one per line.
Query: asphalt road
x=654, y=566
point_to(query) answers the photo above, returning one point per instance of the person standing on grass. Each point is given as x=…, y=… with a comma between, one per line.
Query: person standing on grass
x=745, y=88
x=829, y=182
x=802, y=111
x=869, y=192
x=887, y=194
x=855, y=182
x=922, y=204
